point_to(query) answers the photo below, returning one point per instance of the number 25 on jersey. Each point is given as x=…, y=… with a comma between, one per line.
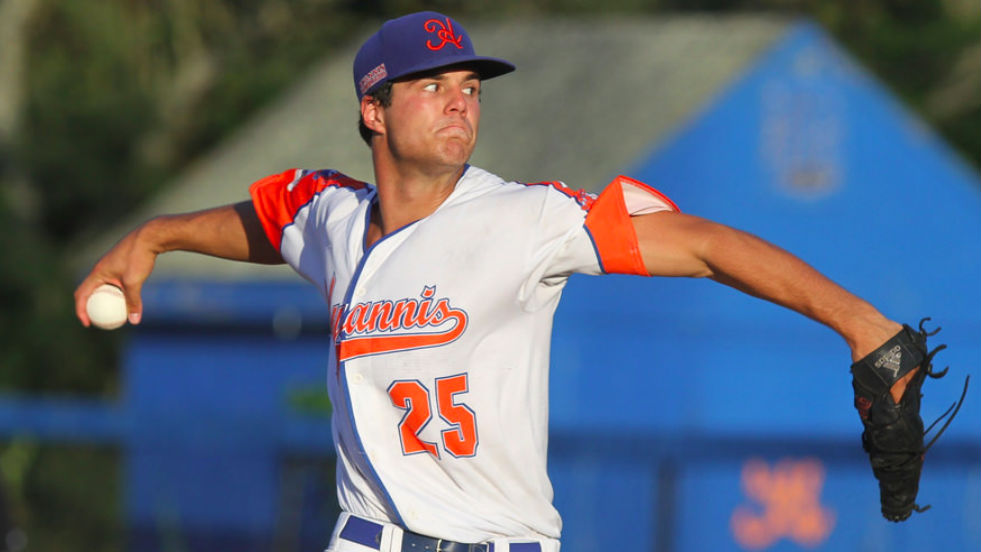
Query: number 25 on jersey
x=459, y=439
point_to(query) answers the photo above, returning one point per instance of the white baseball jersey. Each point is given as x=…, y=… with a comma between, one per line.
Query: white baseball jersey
x=441, y=331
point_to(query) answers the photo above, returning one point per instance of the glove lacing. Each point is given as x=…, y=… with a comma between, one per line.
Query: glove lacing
x=952, y=411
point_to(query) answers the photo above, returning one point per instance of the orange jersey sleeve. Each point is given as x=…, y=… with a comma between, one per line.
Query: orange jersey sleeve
x=279, y=197
x=608, y=222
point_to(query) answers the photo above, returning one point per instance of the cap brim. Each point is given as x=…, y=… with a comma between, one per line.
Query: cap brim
x=486, y=67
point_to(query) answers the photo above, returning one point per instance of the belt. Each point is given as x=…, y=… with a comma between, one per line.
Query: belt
x=368, y=533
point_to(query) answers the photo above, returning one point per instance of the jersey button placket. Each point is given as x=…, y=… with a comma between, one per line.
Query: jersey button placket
x=357, y=290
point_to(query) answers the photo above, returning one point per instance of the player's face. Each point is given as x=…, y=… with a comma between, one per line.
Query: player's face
x=433, y=120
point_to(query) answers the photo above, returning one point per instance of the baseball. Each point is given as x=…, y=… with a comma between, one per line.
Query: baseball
x=106, y=307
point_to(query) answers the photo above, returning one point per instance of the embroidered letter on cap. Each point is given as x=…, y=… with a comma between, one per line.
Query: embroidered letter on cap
x=444, y=32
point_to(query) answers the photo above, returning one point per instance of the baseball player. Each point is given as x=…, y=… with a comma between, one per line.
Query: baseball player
x=442, y=280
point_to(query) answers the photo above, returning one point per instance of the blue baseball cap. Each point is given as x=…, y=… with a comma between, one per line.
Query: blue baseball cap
x=415, y=43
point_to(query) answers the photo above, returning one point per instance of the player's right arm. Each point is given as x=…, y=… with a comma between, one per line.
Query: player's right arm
x=229, y=232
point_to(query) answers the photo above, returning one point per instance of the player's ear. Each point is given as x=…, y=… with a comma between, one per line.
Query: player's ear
x=373, y=114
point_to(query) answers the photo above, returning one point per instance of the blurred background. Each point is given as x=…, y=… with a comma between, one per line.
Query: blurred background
x=846, y=132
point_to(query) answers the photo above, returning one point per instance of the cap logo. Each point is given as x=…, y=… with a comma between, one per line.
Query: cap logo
x=372, y=78
x=444, y=32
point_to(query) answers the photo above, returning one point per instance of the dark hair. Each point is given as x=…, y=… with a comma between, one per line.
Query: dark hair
x=384, y=98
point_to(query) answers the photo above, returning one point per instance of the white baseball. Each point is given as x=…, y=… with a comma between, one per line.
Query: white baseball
x=106, y=307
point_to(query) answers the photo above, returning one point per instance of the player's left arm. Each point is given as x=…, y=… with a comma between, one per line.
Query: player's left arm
x=891, y=361
x=677, y=244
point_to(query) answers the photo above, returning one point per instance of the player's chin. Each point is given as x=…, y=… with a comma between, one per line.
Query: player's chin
x=455, y=152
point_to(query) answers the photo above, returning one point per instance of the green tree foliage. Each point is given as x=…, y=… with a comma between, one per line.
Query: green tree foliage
x=74, y=495
x=927, y=52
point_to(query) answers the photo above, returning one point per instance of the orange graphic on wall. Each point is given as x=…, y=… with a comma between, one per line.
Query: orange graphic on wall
x=788, y=504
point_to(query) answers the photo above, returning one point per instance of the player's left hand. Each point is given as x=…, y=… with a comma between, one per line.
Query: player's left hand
x=894, y=434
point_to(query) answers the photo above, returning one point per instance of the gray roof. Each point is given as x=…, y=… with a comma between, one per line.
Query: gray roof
x=588, y=99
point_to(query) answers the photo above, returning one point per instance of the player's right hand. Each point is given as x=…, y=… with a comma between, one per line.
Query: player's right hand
x=127, y=265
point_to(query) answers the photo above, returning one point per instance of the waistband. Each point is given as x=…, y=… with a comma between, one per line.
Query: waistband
x=369, y=533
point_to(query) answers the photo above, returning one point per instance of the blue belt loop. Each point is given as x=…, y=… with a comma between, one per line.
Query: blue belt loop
x=363, y=532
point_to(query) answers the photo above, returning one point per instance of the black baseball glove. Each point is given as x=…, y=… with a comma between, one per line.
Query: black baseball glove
x=894, y=434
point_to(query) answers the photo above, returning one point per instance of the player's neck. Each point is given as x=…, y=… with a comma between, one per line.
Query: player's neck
x=406, y=195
